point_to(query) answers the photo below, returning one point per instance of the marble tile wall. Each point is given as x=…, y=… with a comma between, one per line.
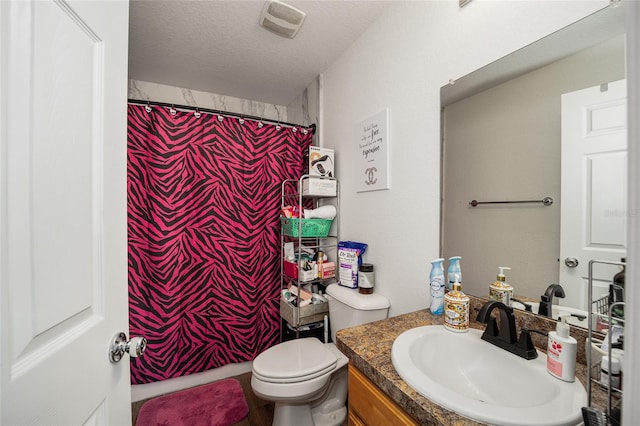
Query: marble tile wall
x=143, y=90
x=304, y=110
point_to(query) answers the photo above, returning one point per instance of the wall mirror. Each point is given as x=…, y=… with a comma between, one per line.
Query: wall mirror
x=502, y=136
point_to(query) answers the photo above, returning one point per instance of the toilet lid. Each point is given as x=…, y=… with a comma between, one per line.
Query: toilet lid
x=295, y=360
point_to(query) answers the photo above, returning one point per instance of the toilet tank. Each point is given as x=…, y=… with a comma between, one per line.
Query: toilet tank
x=348, y=308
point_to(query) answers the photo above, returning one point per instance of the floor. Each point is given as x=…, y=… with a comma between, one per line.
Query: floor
x=260, y=411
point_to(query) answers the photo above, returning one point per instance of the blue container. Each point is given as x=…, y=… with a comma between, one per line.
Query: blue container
x=436, y=285
x=452, y=271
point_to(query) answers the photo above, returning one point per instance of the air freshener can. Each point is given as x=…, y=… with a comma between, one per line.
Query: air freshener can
x=436, y=287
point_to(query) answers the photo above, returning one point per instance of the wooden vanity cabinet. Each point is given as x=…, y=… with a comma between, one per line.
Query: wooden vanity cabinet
x=368, y=405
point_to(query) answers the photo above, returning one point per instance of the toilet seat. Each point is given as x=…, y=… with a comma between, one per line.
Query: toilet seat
x=294, y=361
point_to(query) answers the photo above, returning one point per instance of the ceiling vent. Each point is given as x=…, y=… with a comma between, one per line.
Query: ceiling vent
x=281, y=18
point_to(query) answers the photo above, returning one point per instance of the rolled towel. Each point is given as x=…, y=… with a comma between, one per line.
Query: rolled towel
x=322, y=212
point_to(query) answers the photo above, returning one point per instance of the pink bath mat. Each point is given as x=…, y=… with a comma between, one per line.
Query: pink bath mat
x=219, y=403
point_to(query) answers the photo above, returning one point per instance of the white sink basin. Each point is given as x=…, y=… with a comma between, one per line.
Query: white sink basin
x=476, y=379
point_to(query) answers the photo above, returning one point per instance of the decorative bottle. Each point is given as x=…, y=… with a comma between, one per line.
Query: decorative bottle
x=453, y=271
x=456, y=309
x=501, y=290
x=436, y=283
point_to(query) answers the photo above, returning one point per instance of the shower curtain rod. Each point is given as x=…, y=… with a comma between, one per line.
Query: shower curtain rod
x=225, y=113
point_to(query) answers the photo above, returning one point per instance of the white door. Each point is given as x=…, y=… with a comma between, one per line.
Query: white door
x=63, y=241
x=594, y=188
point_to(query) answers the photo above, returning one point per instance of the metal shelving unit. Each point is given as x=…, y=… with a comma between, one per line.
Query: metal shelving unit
x=293, y=195
x=604, y=310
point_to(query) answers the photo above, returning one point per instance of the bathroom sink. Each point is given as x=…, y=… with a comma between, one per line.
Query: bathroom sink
x=478, y=380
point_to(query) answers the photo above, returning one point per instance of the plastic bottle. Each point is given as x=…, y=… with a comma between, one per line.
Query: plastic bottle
x=319, y=262
x=453, y=271
x=619, y=277
x=561, y=352
x=501, y=290
x=614, y=377
x=436, y=284
x=616, y=291
x=456, y=309
x=366, y=278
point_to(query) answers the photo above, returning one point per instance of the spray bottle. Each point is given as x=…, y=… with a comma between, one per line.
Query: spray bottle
x=453, y=272
x=436, y=284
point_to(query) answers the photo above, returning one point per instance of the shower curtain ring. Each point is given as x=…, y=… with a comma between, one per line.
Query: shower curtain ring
x=241, y=120
x=197, y=113
x=172, y=110
x=148, y=107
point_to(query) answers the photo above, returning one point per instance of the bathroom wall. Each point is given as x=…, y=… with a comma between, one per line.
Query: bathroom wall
x=305, y=109
x=400, y=63
x=504, y=143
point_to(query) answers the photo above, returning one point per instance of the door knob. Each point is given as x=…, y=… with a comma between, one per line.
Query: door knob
x=571, y=262
x=119, y=345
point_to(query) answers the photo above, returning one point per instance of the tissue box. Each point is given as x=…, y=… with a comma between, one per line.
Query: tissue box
x=319, y=187
x=321, y=162
x=328, y=270
x=291, y=270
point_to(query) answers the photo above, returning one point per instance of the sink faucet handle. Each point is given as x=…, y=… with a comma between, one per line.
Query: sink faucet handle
x=525, y=344
x=527, y=306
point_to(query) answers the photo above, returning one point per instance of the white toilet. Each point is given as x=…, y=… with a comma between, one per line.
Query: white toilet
x=306, y=378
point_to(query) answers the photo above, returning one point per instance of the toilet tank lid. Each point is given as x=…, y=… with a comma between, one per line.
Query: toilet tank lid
x=357, y=300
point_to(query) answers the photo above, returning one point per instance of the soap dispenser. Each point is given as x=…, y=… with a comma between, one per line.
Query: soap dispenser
x=561, y=352
x=501, y=290
x=456, y=309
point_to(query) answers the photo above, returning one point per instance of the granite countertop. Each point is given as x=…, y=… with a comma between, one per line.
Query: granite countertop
x=368, y=348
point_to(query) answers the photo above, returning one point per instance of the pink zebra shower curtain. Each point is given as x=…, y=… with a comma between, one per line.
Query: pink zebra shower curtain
x=203, y=235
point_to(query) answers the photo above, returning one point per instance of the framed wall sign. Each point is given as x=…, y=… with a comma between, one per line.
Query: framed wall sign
x=372, y=157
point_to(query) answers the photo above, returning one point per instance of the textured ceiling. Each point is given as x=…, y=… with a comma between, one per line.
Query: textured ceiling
x=218, y=46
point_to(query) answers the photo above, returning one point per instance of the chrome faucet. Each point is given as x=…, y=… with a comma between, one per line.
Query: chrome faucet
x=505, y=337
x=546, y=300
